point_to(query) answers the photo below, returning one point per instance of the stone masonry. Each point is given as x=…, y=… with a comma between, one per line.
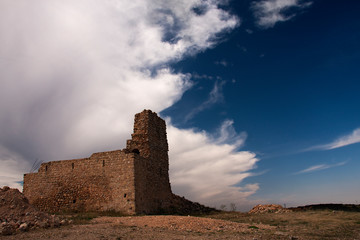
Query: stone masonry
x=132, y=181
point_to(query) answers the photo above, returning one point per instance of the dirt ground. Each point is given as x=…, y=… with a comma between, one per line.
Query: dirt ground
x=148, y=227
x=225, y=225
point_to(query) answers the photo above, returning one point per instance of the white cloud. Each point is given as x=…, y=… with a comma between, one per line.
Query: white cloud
x=12, y=166
x=270, y=12
x=320, y=167
x=76, y=72
x=346, y=140
x=206, y=169
x=73, y=74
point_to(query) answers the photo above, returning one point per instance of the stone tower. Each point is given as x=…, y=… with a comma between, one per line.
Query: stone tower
x=149, y=140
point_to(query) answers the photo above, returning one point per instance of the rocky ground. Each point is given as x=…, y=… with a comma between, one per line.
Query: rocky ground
x=17, y=215
x=225, y=225
x=269, y=208
x=182, y=223
x=20, y=220
x=150, y=227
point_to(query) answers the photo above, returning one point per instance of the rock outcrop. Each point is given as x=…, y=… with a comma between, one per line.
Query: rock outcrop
x=268, y=208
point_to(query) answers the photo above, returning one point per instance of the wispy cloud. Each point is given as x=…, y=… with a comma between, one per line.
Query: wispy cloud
x=320, y=167
x=203, y=76
x=215, y=96
x=227, y=135
x=222, y=63
x=249, y=31
x=343, y=141
x=270, y=12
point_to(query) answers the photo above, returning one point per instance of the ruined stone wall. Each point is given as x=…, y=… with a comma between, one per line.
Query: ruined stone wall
x=132, y=180
x=103, y=182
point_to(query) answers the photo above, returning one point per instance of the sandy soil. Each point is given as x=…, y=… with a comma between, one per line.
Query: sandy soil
x=299, y=225
x=150, y=227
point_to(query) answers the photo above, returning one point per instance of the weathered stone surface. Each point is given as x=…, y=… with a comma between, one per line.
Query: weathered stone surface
x=133, y=180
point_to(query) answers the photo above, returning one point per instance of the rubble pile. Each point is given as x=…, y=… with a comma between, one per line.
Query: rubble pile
x=268, y=208
x=182, y=206
x=17, y=214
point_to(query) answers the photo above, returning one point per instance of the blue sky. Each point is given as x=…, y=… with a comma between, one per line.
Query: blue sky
x=290, y=87
x=261, y=97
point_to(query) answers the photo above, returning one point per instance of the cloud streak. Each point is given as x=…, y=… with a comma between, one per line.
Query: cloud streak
x=343, y=141
x=270, y=12
x=320, y=167
x=215, y=96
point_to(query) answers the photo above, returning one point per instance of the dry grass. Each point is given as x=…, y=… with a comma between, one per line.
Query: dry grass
x=86, y=217
x=321, y=224
x=301, y=225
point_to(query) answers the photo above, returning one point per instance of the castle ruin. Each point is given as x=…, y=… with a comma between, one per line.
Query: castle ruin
x=132, y=181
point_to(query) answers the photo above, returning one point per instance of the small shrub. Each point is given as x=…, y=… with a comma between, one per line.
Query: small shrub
x=82, y=218
x=304, y=222
x=232, y=207
x=85, y=217
x=223, y=207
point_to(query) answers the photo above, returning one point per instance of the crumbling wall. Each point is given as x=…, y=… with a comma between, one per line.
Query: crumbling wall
x=103, y=182
x=132, y=180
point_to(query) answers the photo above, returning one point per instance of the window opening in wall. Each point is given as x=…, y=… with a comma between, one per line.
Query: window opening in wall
x=74, y=201
x=136, y=151
x=72, y=165
x=103, y=163
x=125, y=195
x=46, y=168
